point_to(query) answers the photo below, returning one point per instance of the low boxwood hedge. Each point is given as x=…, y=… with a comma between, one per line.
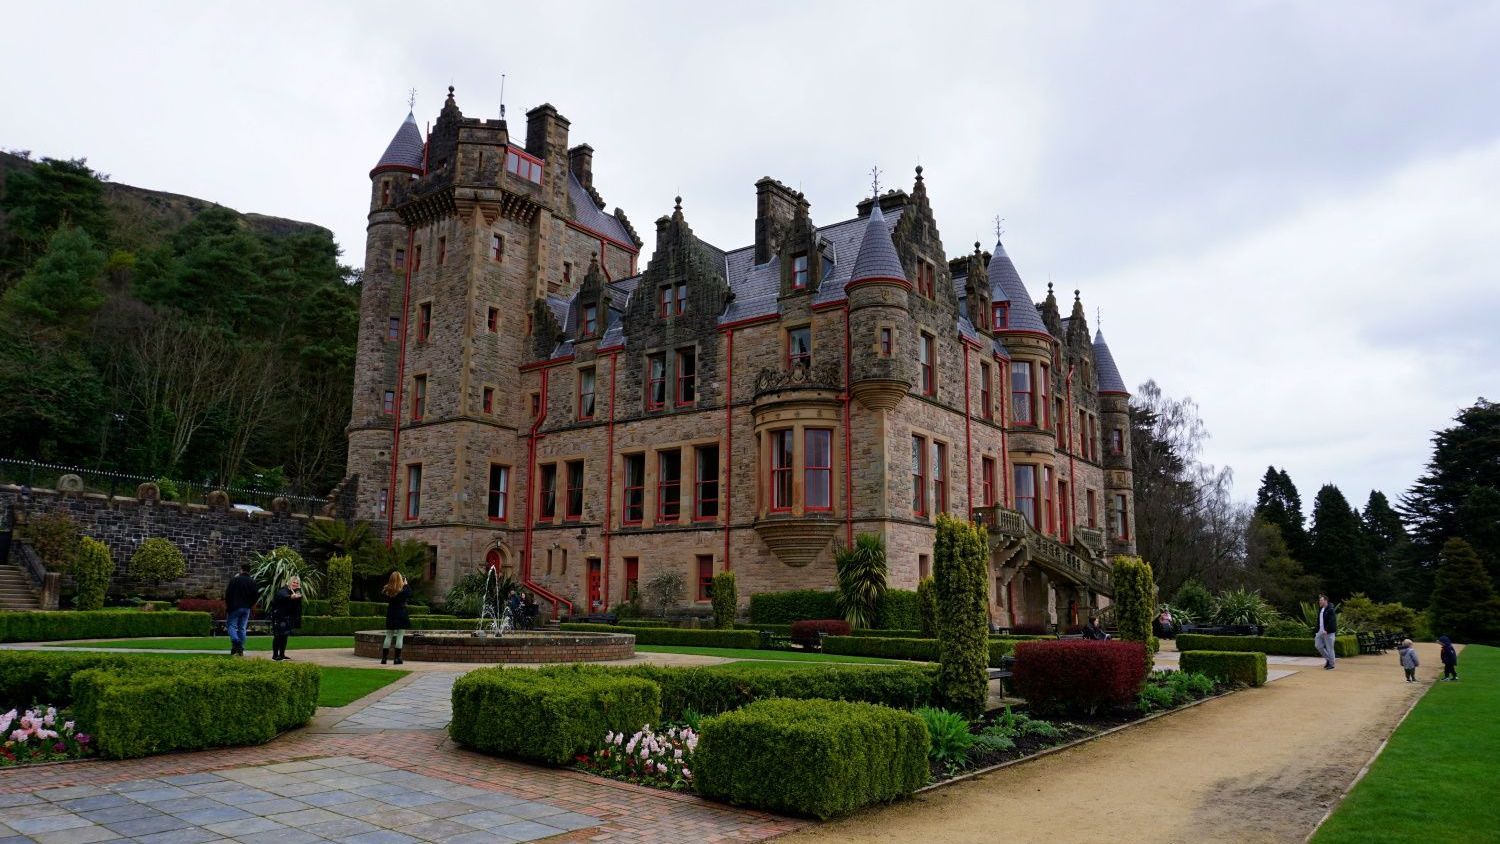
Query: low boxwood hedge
x=320, y=606
x=1079, y=675
x=139, y=704
x=894, y=648
x=894, y=633
x=645, y=622
x=811, y=757
x=747, y=639
x=1343, y=645
x=347, y=625
x=721, y=688
x=1248, y=667
x=549, y=716
x=795, y=605
x=101, y=624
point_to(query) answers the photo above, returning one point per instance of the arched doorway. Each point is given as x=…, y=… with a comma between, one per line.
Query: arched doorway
x=495, y=559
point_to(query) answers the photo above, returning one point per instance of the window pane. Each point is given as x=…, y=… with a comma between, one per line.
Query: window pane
x=706, y=495
x=781, y=469
x=817, y=460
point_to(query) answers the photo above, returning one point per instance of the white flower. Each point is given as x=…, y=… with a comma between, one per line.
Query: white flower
x=67, y=726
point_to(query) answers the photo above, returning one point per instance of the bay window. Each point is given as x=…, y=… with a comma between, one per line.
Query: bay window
x=1048, y=506
x=1043, y=384
x=1025, y=483
x=817, y=469
x=781, y=469
x=1020, y=392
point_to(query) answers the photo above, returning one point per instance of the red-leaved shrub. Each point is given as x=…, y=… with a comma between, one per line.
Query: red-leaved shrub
x=806, y=632
x=212, y=606
x=1079, y=675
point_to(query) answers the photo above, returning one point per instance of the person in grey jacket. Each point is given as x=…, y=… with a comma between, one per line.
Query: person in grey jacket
x=1409, y=661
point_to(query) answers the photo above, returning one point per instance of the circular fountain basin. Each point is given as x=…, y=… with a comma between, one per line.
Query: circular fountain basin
x=517, y=646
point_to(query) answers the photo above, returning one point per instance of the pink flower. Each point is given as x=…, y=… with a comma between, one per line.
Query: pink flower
x=18, y=736
x=82, y=738
x=59, y=747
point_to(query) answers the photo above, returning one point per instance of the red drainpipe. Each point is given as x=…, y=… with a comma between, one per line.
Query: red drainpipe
x=968, y=433
x=848, y=434
x=609, y=475
x=390, y=510
x=532, y=438
x=726, y=495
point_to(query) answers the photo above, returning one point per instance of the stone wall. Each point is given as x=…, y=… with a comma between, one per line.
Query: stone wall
x=215, y=540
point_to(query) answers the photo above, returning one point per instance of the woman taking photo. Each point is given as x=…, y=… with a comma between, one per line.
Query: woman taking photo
x=286, y=616
x=397, y=592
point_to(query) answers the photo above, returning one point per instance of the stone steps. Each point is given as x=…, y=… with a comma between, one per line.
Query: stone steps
x=16, y=591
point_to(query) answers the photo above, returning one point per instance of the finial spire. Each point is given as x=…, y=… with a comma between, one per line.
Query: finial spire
x=411, y=100
x=1077, y=296
x=502, y=96
x=1099, y=318
x=678, y=207
x=999, y=226
x=919, y=172
x=875, y=181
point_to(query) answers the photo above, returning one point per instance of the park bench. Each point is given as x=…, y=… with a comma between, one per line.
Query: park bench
x=256, y=626
x=773, y=641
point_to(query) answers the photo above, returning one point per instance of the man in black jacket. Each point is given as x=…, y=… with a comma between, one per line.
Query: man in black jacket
x=1328, y=628
x=239, y=598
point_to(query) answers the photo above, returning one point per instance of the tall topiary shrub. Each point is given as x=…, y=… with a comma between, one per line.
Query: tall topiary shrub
x=1135, y=600
x=92, y=568
x=861, y=573
x=340, y=581
x=927, y=605
x=726, y=598
x=156, y=561
x=963, y=624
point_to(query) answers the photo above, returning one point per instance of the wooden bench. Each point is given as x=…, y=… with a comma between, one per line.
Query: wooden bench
x=256, y=626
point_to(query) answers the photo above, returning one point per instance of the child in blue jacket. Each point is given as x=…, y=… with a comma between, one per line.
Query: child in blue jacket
x=1409, y=661
x=1450, y=658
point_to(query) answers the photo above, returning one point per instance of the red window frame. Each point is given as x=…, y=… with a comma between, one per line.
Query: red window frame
x=1060, y=416
x=926, y=279
x=393, y=329
x=681, y=302
x=590, y=320
x=424, y=321
x=1021, y=393
x=413, y=491
x=1044, y=382
x=632, y=577
x=799, y=271
x=1093, y=507
x=586, y=397
x=1122, y=524
x=819, y=475
x=918, y=476
x=523, y=165
x=671, y=300
x=793, y=357
x=418, y=397
x=1026, y=503
x=633, y=502
x=685, y=367
x=1001, y=315
x=706, y=483
x=782, y=459
x=656, y=381
x=1117, y=441
x=488, y=402
x=573, y=494
x=939, y=477
x=705, y=576
x=388, y=402
x=546, y=490
x=1064, y=508
x=986, y=400
x=1049, y=504
x=400, y=262
x=497, y=246
x=442, y=251
x=925, y=354
x=499, y=492
x=987, y=480
x=664, y=485
x=887, y=342
x=492, y=319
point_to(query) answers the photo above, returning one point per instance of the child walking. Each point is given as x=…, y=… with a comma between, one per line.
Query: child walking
x=1409, y=661
x=397, y=592
x=1450, y=659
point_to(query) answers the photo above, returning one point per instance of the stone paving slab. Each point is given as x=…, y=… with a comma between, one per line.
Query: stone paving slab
x=425, y=703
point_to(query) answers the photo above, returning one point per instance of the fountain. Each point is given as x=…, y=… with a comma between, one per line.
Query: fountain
x=496, y=639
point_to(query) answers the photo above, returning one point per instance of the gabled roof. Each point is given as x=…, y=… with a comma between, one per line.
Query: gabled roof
x=405, y=149
x=588, y=215
x=1006, y=286
x=877, y=253
x=1109, y=374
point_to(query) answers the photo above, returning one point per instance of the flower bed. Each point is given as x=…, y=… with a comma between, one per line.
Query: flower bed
x=659, y=760
x=37, y=736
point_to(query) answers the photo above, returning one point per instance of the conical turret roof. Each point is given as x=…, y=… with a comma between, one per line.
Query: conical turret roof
x=877, y=253
x=1006, y=286
x=405, y=149
x=1109, y=374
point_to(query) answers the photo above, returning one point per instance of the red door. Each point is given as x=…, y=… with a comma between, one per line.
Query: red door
x=595, y=584
x=492, y=560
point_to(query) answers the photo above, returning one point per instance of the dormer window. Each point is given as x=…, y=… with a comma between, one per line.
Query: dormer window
x=799, y=347
x=671, y=300
x=520, y=164
x=926, y=279
x=590, y=320
x=1002, y=315
x=799, y=272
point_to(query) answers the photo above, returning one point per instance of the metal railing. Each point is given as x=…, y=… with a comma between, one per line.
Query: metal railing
x=39, y=475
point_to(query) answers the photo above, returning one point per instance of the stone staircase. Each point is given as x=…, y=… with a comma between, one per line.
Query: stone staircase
x=16, y=590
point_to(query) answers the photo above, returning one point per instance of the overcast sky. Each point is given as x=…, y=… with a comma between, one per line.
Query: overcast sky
x=1290, y=212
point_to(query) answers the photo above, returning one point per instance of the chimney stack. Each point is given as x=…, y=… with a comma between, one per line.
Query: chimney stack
x=581, y=164
x=775, y=207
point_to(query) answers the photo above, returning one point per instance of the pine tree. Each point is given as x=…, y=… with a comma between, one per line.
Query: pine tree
x=1386, y=540
x=1463, y=601
x=39, y=201
x=1336, y=548
x=1279, y=503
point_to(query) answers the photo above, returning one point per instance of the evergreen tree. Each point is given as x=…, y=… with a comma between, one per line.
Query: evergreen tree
x=39, y=200
x=1336, y=546
x=1278, y=503
x=1463, y=600
x=1386, y=540
x=1278, y=576
x=1442, y=504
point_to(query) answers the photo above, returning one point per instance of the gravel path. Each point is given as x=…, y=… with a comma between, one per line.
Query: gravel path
x=1262, y=765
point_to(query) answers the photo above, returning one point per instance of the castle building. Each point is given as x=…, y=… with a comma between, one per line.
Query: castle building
x=527, y=396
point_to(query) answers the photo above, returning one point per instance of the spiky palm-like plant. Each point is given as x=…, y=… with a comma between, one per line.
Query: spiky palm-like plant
x=273, y=569
x=861, y=572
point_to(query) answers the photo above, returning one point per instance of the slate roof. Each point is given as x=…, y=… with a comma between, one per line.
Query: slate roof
x=1109, y=374
x=877, y=253
x=405, y=149
x=1006, y=286
x=588, y=215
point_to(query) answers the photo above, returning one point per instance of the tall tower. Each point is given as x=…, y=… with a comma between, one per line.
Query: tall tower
x=1119, y=479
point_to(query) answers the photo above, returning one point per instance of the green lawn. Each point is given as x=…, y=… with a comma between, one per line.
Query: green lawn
x=1435, y=781
x=769, y=656
x=215, y=643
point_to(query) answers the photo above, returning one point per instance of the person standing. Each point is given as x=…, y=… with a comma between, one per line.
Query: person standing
x=1409, y=661
x=286, y=616
x=1328, y=628
x=239, y=599
x=397, y=619
x=1449, y=656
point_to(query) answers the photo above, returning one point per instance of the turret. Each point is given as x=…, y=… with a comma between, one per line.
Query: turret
x=880, y=319
x=1114, y=419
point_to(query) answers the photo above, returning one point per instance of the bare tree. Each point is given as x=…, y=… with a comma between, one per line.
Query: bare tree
x=251, y=381
x=173, y=376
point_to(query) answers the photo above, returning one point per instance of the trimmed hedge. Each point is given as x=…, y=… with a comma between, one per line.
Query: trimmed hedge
x=348, y=625
x=644, y=622
x=725, y=600
x=899, y=609
x=903, y=648
x=100, y=624
x=811, y=757
x=322, y=606
x=1343, y=645
x=1079, y=675
x=795, y=605
x=1246, y=667
x=136, y=704
x=550, y=716
x=721, y=688
x=805, y=632
x=744, y=639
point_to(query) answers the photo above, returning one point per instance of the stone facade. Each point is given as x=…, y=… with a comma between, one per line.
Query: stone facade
x=508, y=336
x=215, y=540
